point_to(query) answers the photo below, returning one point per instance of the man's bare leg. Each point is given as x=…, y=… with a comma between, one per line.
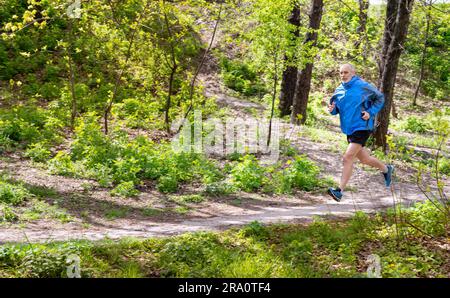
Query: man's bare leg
x=352, y=150
x=364, y=156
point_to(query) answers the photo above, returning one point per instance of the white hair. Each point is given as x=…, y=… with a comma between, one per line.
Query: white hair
x=350, y=66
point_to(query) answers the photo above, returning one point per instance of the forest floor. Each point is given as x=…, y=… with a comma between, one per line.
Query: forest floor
x=80, y=209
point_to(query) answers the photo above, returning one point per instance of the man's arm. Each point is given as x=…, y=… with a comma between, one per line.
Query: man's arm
x=335, y=110
x=378, y=101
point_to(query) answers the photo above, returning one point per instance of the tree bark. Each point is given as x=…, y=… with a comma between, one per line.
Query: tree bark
x=73, y=113
x=389, y=28
x=303, y=85
x=361, y=30
x=274, y=93
x=289, y=77
x=422, y=60
x=391, y=66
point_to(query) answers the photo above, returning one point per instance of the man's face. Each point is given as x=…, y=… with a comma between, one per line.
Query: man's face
x=346, y=73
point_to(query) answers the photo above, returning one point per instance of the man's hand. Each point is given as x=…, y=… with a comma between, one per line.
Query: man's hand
x=365, y=115
x=331, y=107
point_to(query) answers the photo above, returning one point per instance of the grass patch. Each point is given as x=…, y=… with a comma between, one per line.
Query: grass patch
x=151, y=212
x=116, y=213
x=323, y=248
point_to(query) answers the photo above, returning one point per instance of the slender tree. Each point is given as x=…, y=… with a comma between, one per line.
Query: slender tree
x=389, y=27
x=396, y=41
x=361, y=30
x=289, y=77
x=130, y=39
x=427, y=5
x=303, y=85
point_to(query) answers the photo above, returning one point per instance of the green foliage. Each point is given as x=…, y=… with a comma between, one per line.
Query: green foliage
x=413, y=124
x=287, y=149
x=247, y=174
x=195, y=198
x=38, y=152
x=7, y=214
x=167, y=184
x=118, y=159
x=429, y=216
x=239, y=77
x=221, y=188
x=125, y=189
x=116, y=213
x=302, y=174
x=444, y=166
x=321, y=249
x=61, y=164
x=255, y=229
x=13, y=194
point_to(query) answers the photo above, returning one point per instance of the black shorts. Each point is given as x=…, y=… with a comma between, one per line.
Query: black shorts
x=359, y=137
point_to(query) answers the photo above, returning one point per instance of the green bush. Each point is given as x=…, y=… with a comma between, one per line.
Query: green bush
x=13, y=194
x=413, y=124
x=444, y=166
x=302, y=173
x=429, y=217
x=167, y=184
x=24, y=125
x=220, y=188
x=118, y=158
x=61, y=164
x=125, y=189
x=255, y=229
x=247, y=174
x=7, y=214
x=38, y=152
x=239, y=77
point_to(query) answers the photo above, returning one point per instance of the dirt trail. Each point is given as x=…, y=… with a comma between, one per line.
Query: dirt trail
x=88, y=206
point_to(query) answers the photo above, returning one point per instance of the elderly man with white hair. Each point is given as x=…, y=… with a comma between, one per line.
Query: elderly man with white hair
x=357, y=103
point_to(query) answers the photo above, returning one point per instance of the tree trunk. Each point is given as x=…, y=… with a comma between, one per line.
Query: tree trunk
x=73, y=113
x=303, y=85
x=422, y=60
x=391, y=66
x=361, y=30
x=389, y=27
x=289, y=77
x=274, y=94
x=173, y=70
x=168, y=99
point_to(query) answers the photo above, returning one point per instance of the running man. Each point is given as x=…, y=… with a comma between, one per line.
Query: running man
x=357, y=103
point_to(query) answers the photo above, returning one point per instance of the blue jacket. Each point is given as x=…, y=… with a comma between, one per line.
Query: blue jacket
x=351, y=99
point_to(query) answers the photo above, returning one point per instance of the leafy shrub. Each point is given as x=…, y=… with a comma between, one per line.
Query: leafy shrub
x=429, y=217
x=126, y=170
x=13, y=194
x=239, y=77
x=7, y=214
x=413, y=124
x=167, y=184
x=43, y=263
x=255, y=229
x=61, y=164
x=38, y=152
x=125, y=189
x=220, y=188
x=301, y=174
x=248, y=175
x=23, y=125
x=444, y=166
x=287, y=149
